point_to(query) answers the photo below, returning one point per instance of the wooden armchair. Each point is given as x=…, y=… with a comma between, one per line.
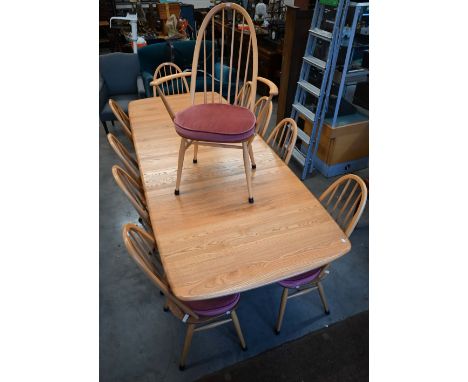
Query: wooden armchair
x=229, y=125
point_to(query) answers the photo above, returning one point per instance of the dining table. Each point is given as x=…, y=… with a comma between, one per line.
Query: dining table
x=212, y=242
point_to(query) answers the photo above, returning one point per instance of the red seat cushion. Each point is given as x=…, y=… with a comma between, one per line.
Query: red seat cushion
x=302, y=279
x=215, y=122
x=214, y=306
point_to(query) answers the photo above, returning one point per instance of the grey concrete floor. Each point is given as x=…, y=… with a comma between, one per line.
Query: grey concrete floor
x=141, y=343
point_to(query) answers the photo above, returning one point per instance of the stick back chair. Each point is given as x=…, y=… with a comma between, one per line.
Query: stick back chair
x=345, y=200
x=216, y=122
x=122, y=117
x=130, y=163
x=135, y=194
x=197, y=315
x=177, y=86
x=283, y=138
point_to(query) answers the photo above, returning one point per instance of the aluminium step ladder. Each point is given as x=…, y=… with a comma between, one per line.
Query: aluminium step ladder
x=315, y=113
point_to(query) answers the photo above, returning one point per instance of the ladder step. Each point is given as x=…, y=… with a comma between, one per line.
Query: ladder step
x=297, y=154
x=309, y=88
x=318, y=63
x=317, y=32
x=304, y=111
x=303, y=136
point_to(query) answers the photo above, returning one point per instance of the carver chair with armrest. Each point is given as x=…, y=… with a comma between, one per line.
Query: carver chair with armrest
x=135, y=194
x=345, y=201
x=197, y=315
x=177, y=86
x=216, y=122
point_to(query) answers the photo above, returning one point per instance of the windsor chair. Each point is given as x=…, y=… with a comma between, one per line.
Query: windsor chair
x=283, y=138
x=196, y=315
x=122, y=117
x=130, y=163
x=135, y=194
x=172, y=87
x=216, y=122
x=345, y=201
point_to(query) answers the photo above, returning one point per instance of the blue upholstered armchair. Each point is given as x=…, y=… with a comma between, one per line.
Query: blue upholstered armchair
x=119, y=79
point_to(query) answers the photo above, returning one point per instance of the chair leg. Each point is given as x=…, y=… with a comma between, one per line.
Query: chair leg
x=183, y=145
x=113, y=124
x=236, y=323
x=323, y=298
x=104, y=124
x=195, y=152
x=284, y=300
x=252, y=158
x=187, y=342
x=248, y=174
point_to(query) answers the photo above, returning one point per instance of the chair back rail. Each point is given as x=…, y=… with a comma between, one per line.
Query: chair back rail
x=283, y=138
x=345, y=201
x=127, y=159
x=263, y=109
x=248, y=72
x=122, y=117
x=134, y=192
x=177, y=86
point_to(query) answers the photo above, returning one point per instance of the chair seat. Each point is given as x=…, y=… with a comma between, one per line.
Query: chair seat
x=302, y=279
x=123, y=100
x=214, y=306
x=215, y=122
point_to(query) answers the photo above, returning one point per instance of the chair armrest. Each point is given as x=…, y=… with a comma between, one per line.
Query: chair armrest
x=141, y=87
x=157, y=86
x=271, y=85
x=147, y=78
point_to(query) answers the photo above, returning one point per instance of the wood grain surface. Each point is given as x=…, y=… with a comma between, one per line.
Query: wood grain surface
x=212, y=243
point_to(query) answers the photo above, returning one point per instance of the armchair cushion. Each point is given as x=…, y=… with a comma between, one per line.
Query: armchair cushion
x=120, y=71
x=123, y=101
x=215, y=122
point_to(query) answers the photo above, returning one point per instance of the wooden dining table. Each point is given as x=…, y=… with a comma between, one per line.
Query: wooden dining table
x=211, y=241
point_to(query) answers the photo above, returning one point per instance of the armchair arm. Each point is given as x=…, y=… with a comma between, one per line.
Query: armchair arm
x=141, y=87
x=156, y=85
x=271, y=85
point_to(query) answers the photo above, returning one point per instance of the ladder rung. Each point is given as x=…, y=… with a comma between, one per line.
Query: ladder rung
x=304, y=111
x=297, y=154
x=318, y=63
x=303, y=136
x=309, y=88
x=321, y=34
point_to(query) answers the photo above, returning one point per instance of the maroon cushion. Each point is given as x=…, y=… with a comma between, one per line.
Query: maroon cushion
x=301, y=279
x=215, y=122
x=214, y=306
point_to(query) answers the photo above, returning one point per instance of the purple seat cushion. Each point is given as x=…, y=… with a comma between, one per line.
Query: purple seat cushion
x=214, y=306
x=301, y=279
x=215, y=122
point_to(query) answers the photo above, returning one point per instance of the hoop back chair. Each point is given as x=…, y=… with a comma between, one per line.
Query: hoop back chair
x=135, y=194
x=130, y=163
x=283, y=138
x=171, y=87
x=345, y=200
x=197, y=315
x=122, y=117
x=216, y=122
